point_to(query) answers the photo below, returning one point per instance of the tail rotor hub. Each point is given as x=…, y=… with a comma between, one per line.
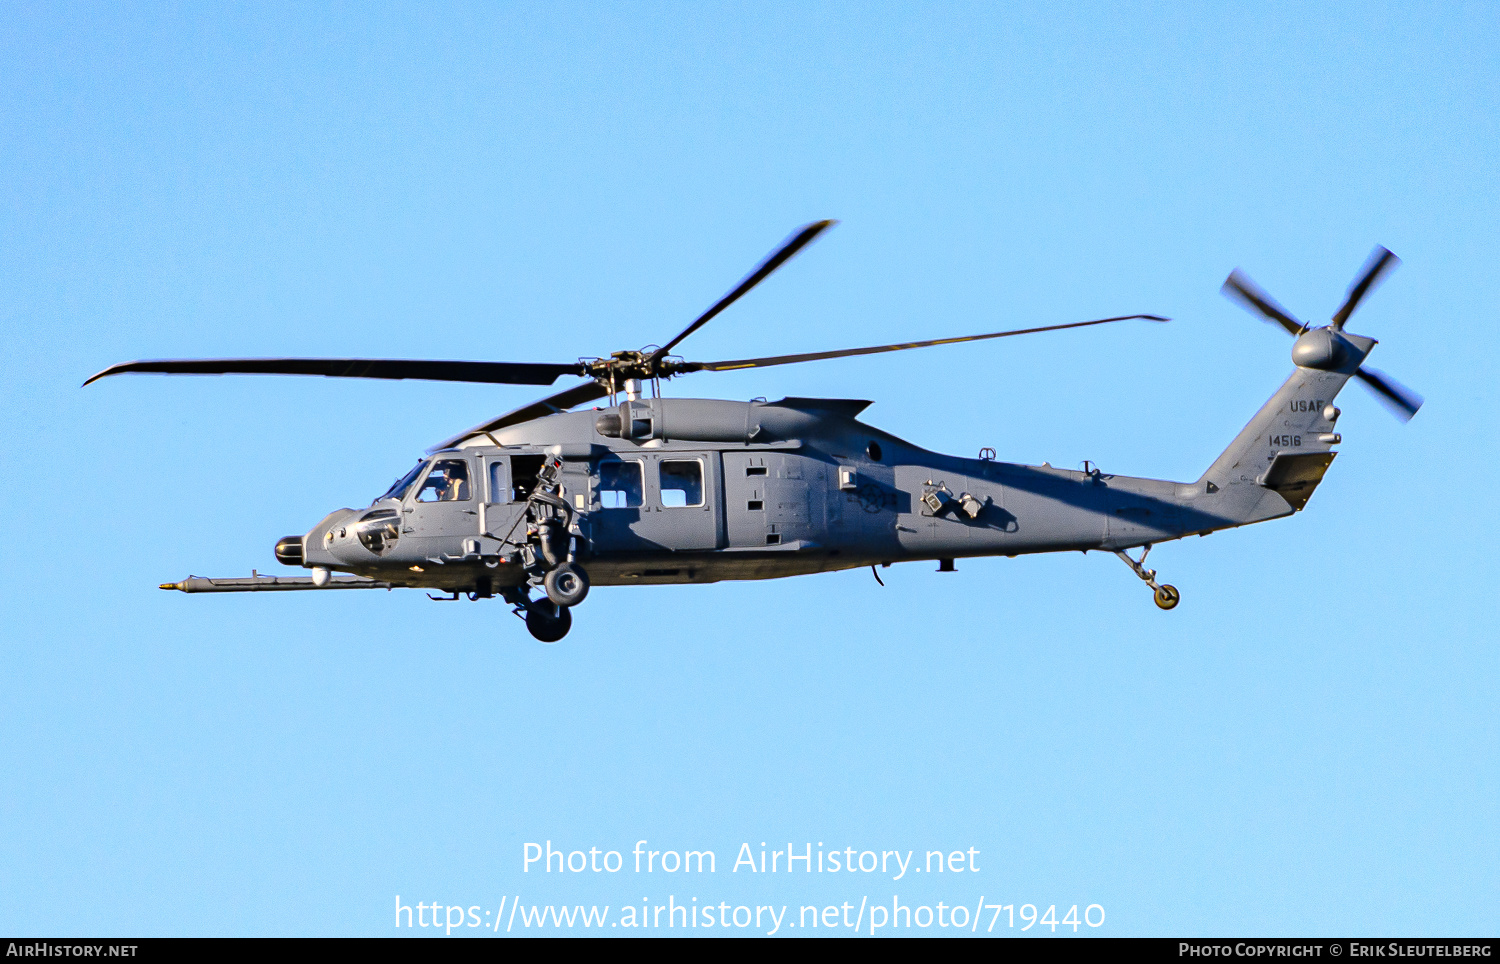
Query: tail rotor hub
x=1322, y=349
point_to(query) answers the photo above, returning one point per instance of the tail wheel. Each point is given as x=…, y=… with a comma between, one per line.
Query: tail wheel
x=547, y=622
x=1167, y=597
x=567, y=585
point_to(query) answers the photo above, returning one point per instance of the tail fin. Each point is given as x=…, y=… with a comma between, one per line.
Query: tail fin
x=1275, y=463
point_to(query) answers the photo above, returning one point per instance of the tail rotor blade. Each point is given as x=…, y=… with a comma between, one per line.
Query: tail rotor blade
x=1376, y=267
x=1379, y=263
x=1239, y=287
x=1402, y=401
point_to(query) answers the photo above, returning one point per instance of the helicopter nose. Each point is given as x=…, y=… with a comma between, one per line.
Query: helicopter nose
x=289, y=551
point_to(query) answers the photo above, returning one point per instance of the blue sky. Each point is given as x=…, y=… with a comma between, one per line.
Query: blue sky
x=1307, y=745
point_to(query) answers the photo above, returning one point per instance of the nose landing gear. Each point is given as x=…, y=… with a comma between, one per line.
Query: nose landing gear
x=1165, y=596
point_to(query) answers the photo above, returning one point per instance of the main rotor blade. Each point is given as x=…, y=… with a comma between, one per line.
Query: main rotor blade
x=1402, y=401
x=550, y=405
x=501, y=373
x=774, y=260
x=1239, y=287
x=1376, y=266
x=724, y=366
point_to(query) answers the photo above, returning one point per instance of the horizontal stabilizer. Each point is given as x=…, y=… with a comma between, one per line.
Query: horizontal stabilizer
x=1293, y=476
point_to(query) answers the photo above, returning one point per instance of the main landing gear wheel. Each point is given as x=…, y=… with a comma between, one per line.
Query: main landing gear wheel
x=548, y=622
x=567, y=585
x=1167, y=596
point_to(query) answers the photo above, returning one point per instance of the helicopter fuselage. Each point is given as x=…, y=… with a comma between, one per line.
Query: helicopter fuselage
x=673, y=490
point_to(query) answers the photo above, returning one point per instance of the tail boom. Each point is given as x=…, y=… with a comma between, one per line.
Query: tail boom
x=1272, y=467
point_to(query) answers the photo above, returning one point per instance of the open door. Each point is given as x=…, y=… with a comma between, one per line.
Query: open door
x=501, y=509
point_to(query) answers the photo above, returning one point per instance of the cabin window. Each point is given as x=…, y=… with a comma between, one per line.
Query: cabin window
x=620, y=485
x=873, y=451
x=755, y=470
x=681, y=483
x=447, y=482
x=499, y=487
x=755, y=505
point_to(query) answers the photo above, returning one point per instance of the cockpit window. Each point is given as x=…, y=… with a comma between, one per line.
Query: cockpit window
x=447, y=482
x=402, y=484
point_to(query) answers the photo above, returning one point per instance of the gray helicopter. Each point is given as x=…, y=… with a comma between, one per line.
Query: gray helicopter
x=537, y=505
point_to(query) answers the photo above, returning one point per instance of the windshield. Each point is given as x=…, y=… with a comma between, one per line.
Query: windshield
x=402, y=484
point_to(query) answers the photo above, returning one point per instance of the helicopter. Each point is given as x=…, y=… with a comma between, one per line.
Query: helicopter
x=541, y=503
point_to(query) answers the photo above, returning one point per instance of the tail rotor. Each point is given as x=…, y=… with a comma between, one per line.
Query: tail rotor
x=1402, y=401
